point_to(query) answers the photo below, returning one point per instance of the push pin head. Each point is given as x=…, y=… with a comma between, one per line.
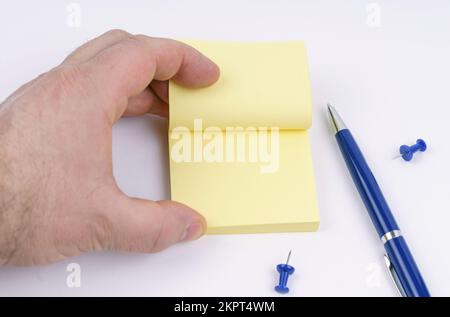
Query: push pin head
x=407, y=152
x=285, y=270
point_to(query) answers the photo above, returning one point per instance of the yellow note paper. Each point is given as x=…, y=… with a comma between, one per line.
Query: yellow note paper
x=239, y=150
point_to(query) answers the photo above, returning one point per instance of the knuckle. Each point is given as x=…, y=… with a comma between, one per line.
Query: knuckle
x=100, y=234
x=136, y=52
x=142, y=37
x=118, y=34
x=135, y=42
x=161, y=235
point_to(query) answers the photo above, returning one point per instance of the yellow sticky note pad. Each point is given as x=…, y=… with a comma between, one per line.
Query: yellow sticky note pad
x=239, y=150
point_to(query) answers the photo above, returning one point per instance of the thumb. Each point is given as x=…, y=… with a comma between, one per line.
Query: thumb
x=139, y=225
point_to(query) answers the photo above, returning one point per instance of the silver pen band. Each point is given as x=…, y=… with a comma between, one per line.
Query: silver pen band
x=390, y=235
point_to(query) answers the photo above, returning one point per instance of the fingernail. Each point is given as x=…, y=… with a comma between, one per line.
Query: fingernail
x=193, y=231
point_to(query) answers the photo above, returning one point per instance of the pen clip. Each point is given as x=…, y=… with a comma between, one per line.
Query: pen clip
x=394, y=276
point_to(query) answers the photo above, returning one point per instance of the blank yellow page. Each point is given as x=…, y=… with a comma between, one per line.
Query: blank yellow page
x=262, y=85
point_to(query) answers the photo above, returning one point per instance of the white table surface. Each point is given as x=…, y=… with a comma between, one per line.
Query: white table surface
x=390, y=83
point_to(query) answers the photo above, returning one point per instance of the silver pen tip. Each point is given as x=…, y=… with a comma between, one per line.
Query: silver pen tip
x=335, y=119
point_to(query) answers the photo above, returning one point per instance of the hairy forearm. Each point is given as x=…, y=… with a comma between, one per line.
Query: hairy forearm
x=9, y=206
x=13, y=197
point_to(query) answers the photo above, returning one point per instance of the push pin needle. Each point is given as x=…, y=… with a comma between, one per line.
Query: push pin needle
x=288, y=257
x=285, y=270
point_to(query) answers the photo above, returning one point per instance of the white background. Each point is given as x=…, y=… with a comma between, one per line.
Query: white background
x=390, y=84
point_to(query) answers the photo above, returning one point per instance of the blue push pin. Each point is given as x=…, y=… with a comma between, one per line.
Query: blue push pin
x=407, y=152
x=285, y=270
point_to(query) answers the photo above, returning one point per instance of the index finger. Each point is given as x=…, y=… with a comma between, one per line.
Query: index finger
x=127, y=67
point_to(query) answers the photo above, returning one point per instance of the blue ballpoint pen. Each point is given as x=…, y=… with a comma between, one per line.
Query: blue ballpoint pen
x=400, y=262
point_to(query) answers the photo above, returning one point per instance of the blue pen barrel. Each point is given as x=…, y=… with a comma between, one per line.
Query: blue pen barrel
x=406, y=269
x=398, y=252
x=366, y=184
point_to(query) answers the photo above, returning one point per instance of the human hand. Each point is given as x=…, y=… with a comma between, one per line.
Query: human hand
x=58, y=196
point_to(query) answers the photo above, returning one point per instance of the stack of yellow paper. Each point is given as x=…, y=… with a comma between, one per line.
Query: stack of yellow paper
x=239, y=150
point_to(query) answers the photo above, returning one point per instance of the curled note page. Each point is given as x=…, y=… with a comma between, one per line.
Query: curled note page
x=261, y=84
x=239, y=150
